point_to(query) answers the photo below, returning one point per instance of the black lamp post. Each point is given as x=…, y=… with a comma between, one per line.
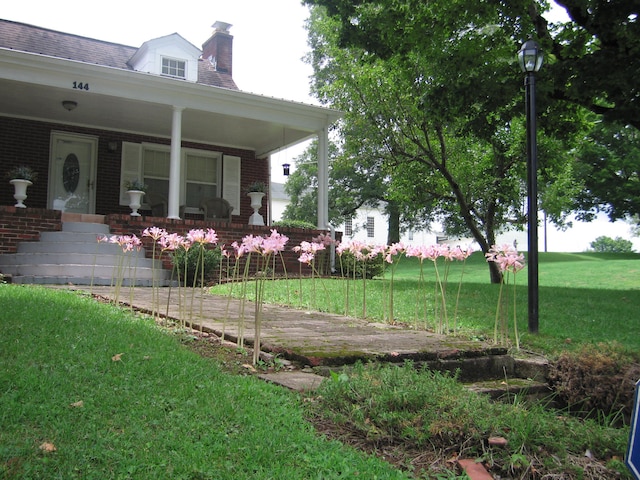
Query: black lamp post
x=530, y=60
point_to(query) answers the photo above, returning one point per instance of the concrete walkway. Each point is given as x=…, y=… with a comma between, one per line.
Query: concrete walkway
x=316, y=342
x=310, y=338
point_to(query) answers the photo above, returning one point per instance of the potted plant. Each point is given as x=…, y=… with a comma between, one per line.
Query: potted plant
x=21, y=177
x=256, y=192
x=259, y=187
x=136, y=189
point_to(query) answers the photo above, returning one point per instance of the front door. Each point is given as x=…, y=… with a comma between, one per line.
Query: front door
x=72, y=173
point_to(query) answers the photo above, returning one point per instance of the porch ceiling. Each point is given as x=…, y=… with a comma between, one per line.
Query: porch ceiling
x=33, y=86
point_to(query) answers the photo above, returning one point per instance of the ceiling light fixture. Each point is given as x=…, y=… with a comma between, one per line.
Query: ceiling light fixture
x=69, y=105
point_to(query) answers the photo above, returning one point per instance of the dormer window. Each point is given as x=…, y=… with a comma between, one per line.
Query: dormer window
x=173, y=67
x=169, y=56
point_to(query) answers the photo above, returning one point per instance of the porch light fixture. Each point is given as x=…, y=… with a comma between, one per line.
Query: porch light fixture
x=530, y=60
x=285, y=169
x=69, y=105
x=112, y=146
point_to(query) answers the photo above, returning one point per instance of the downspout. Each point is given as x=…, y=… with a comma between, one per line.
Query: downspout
x=332, y=251
x=323, y=179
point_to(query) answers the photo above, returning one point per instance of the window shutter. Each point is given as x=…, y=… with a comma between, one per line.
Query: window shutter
x=231, y=181
x=130, y=168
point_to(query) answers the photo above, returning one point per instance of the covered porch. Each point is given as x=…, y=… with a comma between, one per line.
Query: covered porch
x=89, y=129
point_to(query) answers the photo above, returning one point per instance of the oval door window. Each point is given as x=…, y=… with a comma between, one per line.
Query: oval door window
x=71, y=173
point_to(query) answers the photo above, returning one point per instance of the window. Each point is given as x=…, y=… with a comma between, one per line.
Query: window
x=155, y=170
x=200, y=179
x=173, y=67
x=348, y=226
x=370, y=227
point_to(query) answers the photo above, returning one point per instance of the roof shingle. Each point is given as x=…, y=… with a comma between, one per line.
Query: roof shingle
x=28, y=38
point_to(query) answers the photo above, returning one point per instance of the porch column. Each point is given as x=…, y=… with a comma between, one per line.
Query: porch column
x=174, y=168
x=323, y=179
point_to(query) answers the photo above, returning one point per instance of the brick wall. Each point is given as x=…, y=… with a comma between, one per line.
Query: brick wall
x=24, y=225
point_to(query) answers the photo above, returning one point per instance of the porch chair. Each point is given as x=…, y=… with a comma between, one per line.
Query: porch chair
x=157, y=203
x=216, y=208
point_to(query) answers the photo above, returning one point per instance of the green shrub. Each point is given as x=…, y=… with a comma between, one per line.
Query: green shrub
x=374, y=266
x=294, y=224
x=211, y=258
x=611, y=245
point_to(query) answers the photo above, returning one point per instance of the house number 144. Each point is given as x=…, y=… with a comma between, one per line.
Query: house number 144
x=80, y=86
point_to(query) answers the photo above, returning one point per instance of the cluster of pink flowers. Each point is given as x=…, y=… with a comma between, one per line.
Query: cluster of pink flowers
x=433, y=252
x=174, y=241
x=128, y=243
x=364, y=251
x=507, y=258
x=325, y=239
x=360, y=250
x=203, y=237
x=276, y=242
x=308, y=251
x=265, y=246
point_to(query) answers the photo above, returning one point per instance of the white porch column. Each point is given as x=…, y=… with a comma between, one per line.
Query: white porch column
x=323, y=179
x=174, y=168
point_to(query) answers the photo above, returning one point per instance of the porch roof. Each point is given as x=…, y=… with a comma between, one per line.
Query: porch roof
x=35, y=85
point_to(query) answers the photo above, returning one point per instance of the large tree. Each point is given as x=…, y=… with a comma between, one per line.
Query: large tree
x=449, y=141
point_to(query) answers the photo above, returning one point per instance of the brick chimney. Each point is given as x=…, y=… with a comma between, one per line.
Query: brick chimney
x=219, y=48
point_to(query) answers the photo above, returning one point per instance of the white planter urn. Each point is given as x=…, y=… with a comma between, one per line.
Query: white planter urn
x=135, y=200
x=20, y=185
x=256, y=204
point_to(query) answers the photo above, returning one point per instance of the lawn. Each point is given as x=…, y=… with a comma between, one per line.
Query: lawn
x=88, y=390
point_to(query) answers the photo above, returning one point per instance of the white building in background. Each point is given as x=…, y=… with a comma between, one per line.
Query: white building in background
x=370, y=225
x=279, y=201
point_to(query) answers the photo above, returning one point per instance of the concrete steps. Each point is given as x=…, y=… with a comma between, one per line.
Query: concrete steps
x=74, y=255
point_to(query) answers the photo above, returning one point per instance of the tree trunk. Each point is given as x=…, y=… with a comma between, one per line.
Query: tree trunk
x=494, y=272
x=393, y=234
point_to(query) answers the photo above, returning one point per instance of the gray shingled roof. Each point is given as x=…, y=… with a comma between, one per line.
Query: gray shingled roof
x=28, y=38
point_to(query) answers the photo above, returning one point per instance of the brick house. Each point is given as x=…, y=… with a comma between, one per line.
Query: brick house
x=89, y=115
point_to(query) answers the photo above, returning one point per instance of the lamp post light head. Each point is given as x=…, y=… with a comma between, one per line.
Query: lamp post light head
x=530, y=57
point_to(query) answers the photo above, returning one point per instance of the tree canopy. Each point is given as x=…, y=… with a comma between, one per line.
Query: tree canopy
x=444, y=119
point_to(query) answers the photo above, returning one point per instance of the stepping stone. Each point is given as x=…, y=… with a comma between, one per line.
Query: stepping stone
x=296, y=380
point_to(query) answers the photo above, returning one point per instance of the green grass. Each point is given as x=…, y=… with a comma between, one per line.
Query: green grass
x=160, y=411
x=584, y=298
